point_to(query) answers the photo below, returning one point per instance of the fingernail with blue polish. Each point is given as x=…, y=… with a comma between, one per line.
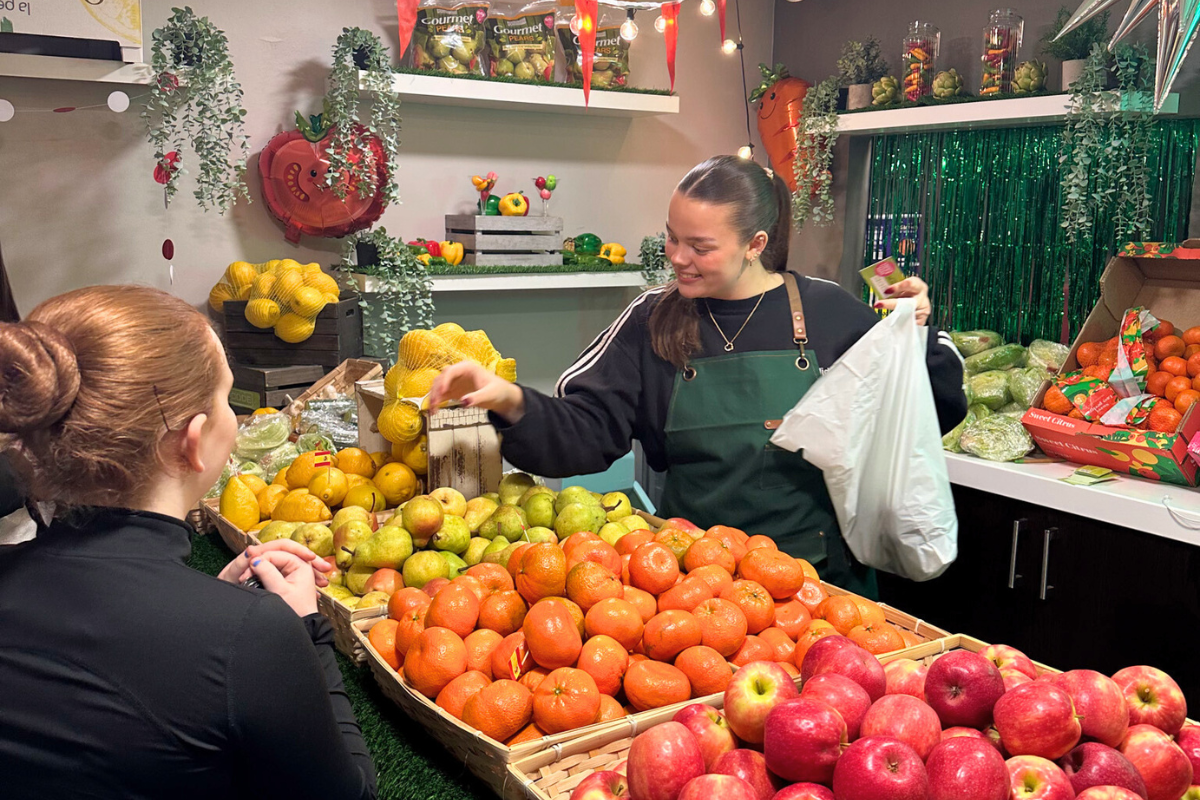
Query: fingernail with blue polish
x=256, y=562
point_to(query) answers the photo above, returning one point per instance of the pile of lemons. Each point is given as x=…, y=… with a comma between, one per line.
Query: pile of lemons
x=281, y=294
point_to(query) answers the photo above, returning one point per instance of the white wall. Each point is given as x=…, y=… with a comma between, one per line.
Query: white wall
x=78, y=204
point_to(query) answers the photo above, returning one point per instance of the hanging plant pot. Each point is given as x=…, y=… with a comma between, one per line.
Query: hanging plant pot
x=859, y=96
x=366, y=254
x=1071, y=70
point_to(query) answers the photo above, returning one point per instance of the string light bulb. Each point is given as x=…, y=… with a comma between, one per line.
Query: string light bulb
x=729, y=47
x=660, y=24
x=576, y=24
x=746, y=152
x=629, y=28
x=708, y=7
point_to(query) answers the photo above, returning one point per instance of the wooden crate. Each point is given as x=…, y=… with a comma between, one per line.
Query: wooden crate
x=507, y=241
x=918, y=627
x=271, y=387
x=337, y=337
x=339, y=382
x=930, y=651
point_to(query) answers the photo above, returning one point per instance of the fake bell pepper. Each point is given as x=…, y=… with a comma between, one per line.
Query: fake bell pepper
x=425, y=258
x=432, y=248
x=587, y=244
x=452, y=252
x=418, y=248
x=614, y=252
x=491, y=208
x=514, y=205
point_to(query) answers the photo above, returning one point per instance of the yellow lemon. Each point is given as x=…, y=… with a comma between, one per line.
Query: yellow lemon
x=330, y=485
x=290, y=264
x=259, y=526
x=366, y=496
x=280, y=478
x=325, y=284
x=299, y=505
x=301, y=471
x=473, y=345
x=238, y=504
x=507, y=369
x=241, y=274
x=331, y=298
x=255, y=483
x=263, y=286
x=261, y=411
x=422, y=348
x=219, y=294
x=392, y=380
x=307, y=302
x=286, y=285
x=263, y=313
x=418, y=382
x=243, y=293
x=397, y=482
x=355, y=460
x=272, y=266
x=416, y=455
x=449, y=327
x=269, y=498
x=309, y=269
x=293, y=328
x=354, y=481
x=379, y=458
x=399, y=421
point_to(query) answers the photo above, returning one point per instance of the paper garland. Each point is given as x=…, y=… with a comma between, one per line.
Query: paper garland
x=670, y=12
x=585, y=12
x=117, y=102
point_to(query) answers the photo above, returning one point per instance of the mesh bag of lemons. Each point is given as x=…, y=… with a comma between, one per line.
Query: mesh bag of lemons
x=280, y=294
x=422, y=355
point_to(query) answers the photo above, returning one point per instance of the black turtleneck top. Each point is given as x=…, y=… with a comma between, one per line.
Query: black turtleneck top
x=126, y=674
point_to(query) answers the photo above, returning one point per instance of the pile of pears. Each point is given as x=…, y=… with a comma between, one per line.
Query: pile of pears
x=436, y=537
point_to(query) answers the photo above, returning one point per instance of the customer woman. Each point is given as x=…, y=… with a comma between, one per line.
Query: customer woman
x=700, y=372
x=124, y=673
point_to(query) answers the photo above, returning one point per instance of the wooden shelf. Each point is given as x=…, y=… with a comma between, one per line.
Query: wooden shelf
x=528, y=282
x=16, y=65
x=440, y=91
x=1043, y=110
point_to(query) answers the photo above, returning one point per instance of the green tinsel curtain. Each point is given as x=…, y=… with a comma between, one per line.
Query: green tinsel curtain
x=976, y=214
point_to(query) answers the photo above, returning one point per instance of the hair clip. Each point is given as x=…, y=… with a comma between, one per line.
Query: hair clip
x=770, y=173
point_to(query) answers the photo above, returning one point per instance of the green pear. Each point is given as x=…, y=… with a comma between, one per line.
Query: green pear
x=490, y=528
x=539, y=510
x=278, y=530
x=373, y=600
x=530, y=492
x=454, y=562
x=612, y=532
x=617, y=505
x=339, y=592
x=422, y=517
x=512, y=486
x=506, y=554
x=478, y=510
x=475, y=550
x=423, y=567
x=578, y=517
x=335, y=576
x=510, y=522
x=493, y=496
x=538, y=534
x=452, y=500
x=315, y=537
x=356, y=577
x=497, y=546
x=635, y=523
x=454, y=535
x=389, y=547
x=347, y=538
x=573, y=494
x=351, y=602
x=354, y=513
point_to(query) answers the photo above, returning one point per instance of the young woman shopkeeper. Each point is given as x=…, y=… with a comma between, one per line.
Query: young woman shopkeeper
x=701, y=370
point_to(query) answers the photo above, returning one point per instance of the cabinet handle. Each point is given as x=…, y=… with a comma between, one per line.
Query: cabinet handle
x=1046, y=537
x=1012, y=556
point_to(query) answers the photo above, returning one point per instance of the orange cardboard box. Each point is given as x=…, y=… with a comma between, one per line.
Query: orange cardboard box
x=1164, y=278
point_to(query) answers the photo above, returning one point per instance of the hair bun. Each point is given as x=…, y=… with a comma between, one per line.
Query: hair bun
x=39, y=379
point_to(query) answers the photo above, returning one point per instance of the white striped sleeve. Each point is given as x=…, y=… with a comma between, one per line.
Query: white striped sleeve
x=944, y=339
x=594, y=352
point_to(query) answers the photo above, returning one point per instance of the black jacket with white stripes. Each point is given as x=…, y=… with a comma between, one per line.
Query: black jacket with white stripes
x=618, y=390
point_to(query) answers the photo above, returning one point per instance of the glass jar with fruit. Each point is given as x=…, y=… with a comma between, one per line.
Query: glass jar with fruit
x=1001, y=42
x=920, y=54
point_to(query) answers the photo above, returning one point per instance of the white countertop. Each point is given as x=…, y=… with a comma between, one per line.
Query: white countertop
x=1158, y=508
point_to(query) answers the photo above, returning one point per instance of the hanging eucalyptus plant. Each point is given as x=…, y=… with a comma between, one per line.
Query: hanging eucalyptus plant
x=403, y=300
x=196, y=101
x=816, y=134
x=351, y=162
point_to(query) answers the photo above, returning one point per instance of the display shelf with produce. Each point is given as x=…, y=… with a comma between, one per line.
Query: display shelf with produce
x=527, y=281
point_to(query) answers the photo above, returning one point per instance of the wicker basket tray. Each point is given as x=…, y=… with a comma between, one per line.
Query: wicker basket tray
x=235, y=539
x=919, y=627
x=930, y=651
x=342, y=617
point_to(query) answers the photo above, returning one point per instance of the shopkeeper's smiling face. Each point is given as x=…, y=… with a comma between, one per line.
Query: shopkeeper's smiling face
x=706, y=252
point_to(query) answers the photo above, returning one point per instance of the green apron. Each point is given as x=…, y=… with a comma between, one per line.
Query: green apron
x=723, y=470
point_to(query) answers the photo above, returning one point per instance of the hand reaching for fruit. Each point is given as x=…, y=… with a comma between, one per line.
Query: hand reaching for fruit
x=475, y=387
x=914, y=288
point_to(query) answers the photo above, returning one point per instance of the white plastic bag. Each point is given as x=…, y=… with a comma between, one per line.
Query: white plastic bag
x=869, y=423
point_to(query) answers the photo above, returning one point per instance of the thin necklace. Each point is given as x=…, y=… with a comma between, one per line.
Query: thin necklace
x=729, y=342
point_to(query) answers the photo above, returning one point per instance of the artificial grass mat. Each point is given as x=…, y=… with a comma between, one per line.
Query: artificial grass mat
x=409, y=764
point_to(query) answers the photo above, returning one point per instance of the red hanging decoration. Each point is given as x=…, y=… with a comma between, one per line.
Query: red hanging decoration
x=721, y=17
x=670, y=12
x=586, y=11
x=406, y=13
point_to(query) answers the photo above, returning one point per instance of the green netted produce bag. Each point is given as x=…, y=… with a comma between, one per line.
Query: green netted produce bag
x=1004, y=357
x=260, y=435
x=950, y=442
x=1048, y=356
x=970, y=343
x=1023, y=385
x=997, y=438
x=989, y=389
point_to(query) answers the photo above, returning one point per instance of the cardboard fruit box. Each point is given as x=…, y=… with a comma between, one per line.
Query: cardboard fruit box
x=1165, y=279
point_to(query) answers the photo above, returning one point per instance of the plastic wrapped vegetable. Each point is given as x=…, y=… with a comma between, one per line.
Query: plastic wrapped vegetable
x=950, y=440
x=1013, y=409
x=996, y=438
x=970, y=343
x=1004, y=357
x=262, y=434
x=989, y=389
x=226, y=474
x=1048, y=356
x=277, y=459
x=1023, y=384
x=308, y=442
x=979, y=411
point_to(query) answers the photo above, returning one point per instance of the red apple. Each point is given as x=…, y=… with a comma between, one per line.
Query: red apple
x=1153, y=698
x=993, y=736
x=1189, y=741
x=605, y=785
x=968, y=733
x=880, y=768
x=662, y=760
x=1162, y=763
x=964, y=768
x=1014, y=678
x=840, y=655
x=708, y=787
x=1099, y=702
x=1036, y=778
x=847, y=698
x=804, y=791
x=753, y=691
x=750, y=766
x=905, y=676
x=435, y=586
x=1005, y=657
x=1094, y=764
x=1037, y=719
x=962, y=687
x=681, y=524
x=710, y=729
x=1106, y=793
x=906, y=718
x=803, y=739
